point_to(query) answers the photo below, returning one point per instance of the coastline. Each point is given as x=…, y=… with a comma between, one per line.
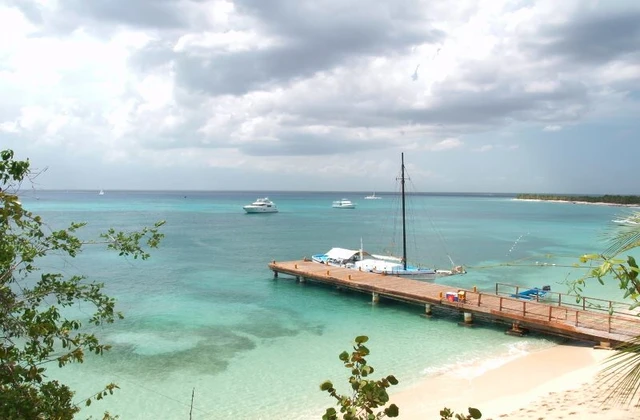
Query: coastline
x=555, y=383
x=580, y=202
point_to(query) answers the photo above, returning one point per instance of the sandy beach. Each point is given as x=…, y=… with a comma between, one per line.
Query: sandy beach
x=556, y=383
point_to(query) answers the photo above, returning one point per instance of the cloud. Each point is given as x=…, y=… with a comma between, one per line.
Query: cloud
x=484, y=148
x=591, y=37
x=446, y=144
x=248, y=79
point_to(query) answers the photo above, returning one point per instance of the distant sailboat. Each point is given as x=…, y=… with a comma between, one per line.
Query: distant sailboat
x=101, y=192
x=372, y=197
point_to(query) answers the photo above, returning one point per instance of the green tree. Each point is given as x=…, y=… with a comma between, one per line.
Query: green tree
x=369, y=397
x=622, y=373
x=35, y=330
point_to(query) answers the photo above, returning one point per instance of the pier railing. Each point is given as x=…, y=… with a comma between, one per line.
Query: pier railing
x=570, y=301
x=595, y=314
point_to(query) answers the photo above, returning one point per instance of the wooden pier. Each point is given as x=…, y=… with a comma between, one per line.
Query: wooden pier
x=606, y=323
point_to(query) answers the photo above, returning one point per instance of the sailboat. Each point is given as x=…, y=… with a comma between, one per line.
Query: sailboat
x=373, y=197
x=101, y=192
x=381, y=264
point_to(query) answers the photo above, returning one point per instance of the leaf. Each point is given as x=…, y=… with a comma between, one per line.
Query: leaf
x=392, y=411
x=475, y=413
x=326, y=386
x=361, y=339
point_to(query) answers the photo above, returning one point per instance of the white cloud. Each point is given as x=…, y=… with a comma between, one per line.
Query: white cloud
x=446, y=144
x=552, y=128
x=484, y=148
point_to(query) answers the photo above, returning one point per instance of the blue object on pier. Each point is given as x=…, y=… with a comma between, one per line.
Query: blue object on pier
x=533, y=294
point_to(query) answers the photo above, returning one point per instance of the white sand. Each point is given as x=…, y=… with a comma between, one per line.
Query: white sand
x=556, y=383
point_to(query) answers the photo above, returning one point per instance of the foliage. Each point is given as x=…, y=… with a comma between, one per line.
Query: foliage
x=35, y=330
x=613, y=199
x=622, y=375
x=368, y=397
x=447, y=414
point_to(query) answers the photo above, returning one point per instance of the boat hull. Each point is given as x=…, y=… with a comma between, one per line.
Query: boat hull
x=249, y=209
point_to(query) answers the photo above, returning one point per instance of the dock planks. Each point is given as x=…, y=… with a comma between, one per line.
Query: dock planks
x=556, y=318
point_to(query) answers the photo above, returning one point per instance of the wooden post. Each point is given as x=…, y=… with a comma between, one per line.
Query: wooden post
x=427, y=309
x=515, y=330
x=275, y=274
x=375, y=298
x=604, y=345
x=468, y=319
x=302, y=279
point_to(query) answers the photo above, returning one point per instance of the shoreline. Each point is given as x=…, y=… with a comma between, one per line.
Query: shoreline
x=599, y=203
x=559, y=382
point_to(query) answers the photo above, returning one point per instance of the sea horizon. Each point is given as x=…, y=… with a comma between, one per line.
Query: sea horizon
x=278, y=191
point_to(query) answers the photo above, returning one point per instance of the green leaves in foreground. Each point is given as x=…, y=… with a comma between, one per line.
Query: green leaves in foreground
x=447, y=414
x=369, y=397
x=38, y=329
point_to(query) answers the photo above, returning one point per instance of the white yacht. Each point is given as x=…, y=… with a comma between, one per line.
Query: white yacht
x=261, y=205
x=343, y=204
x=373, y=197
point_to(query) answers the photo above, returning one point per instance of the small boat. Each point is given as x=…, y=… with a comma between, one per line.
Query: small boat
x=261, y=205
x=101, y=192
x=340, y=257
x=343, y=204
x=533, y=294
x=372, y=197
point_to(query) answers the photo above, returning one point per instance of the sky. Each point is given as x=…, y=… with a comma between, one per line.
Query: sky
x=539, y=96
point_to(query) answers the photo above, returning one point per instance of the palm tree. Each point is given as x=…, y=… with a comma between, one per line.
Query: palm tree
x=621, y=376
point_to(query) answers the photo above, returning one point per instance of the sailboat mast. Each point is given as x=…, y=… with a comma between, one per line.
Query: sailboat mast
x=404, y=234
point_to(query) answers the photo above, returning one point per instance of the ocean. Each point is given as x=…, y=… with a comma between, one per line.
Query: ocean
x=204, y=317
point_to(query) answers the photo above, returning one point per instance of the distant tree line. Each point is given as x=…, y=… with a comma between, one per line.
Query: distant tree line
x=613, y=199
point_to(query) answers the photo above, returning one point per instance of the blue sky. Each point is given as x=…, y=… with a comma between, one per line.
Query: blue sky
x=481, y=96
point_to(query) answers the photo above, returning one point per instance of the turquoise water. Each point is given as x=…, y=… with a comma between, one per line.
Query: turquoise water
x=205, y=314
